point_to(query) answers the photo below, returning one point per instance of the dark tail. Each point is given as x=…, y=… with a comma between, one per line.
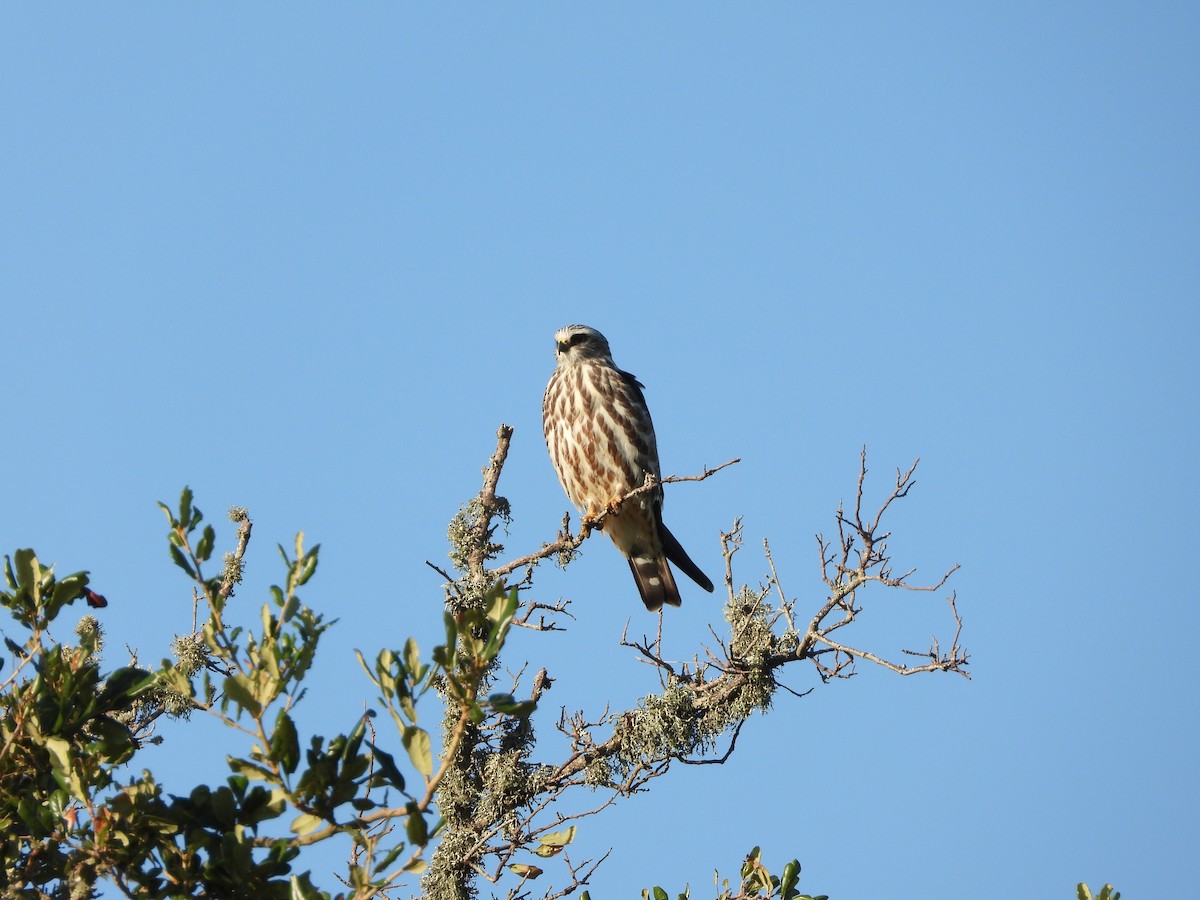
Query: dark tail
x=676, y=554
x=655, y=582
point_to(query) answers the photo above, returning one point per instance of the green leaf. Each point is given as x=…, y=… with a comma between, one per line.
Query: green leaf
x=788, y=879
x=510, y=706
x=416, y=742
x=387, y=767
x=553, y=844
x=124, y=684
x=385, y=862
x=174, y=679
x=558, y=838
x=306, y=824
x=532, y=872
x=308, y=566
x=68, y=590
x=350, y=751
x=238, y=689
x=113, y=741
x=64, y=772
x=414, y=826
x=385, y=661
x=185, y=508
x=750, y=863
x=182, y=561
x=29, y=574
x=500, y=614
x=60, y=753
x=300, y=888
x=251, y=770
x=445, y=657
x=285, y=743
x=289, y=608
x=223, y=807
x=408, y=708
x=412, y=660
x=362, y=661
x=204, y=548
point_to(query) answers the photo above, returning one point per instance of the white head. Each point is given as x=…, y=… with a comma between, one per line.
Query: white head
x=576, y=343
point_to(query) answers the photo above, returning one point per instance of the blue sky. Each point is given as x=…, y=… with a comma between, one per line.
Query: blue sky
x=307, y=258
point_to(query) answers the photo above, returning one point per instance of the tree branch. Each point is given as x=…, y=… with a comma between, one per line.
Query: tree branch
x=566, y=542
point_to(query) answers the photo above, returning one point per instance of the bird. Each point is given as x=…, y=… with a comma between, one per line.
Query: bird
x=601, y=440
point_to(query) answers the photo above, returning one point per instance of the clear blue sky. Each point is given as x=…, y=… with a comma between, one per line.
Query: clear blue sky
x=306, y=258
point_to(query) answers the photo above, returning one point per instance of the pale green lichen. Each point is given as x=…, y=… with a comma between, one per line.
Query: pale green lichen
x=599, y=773
x=91, y=637
x=233, y=569
x=190, y=653
x=466, y=542
x=684, y=722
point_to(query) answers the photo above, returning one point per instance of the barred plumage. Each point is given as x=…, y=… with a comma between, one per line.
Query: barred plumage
x=601, y=441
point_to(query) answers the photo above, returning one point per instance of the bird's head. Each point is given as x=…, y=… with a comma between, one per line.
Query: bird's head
x=576, y=343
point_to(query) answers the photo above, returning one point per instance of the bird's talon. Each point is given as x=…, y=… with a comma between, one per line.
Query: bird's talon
x=590, y=518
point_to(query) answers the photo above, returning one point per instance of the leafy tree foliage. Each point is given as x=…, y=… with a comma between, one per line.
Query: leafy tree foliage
x=432, y=809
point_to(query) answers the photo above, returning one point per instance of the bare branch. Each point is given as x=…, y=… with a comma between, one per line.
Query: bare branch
x=737, y=730
x=482, y=527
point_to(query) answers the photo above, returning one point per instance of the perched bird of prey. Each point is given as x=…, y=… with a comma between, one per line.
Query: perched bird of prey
x=601, y=441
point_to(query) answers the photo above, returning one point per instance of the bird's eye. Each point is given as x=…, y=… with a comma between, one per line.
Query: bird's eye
x=577, y=339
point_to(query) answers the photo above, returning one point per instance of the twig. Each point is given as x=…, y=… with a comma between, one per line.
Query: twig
x=233, y=573
x=567, y=542
x=481, y=528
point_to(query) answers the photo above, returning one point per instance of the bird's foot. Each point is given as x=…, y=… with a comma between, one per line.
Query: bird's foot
x=591, y=517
